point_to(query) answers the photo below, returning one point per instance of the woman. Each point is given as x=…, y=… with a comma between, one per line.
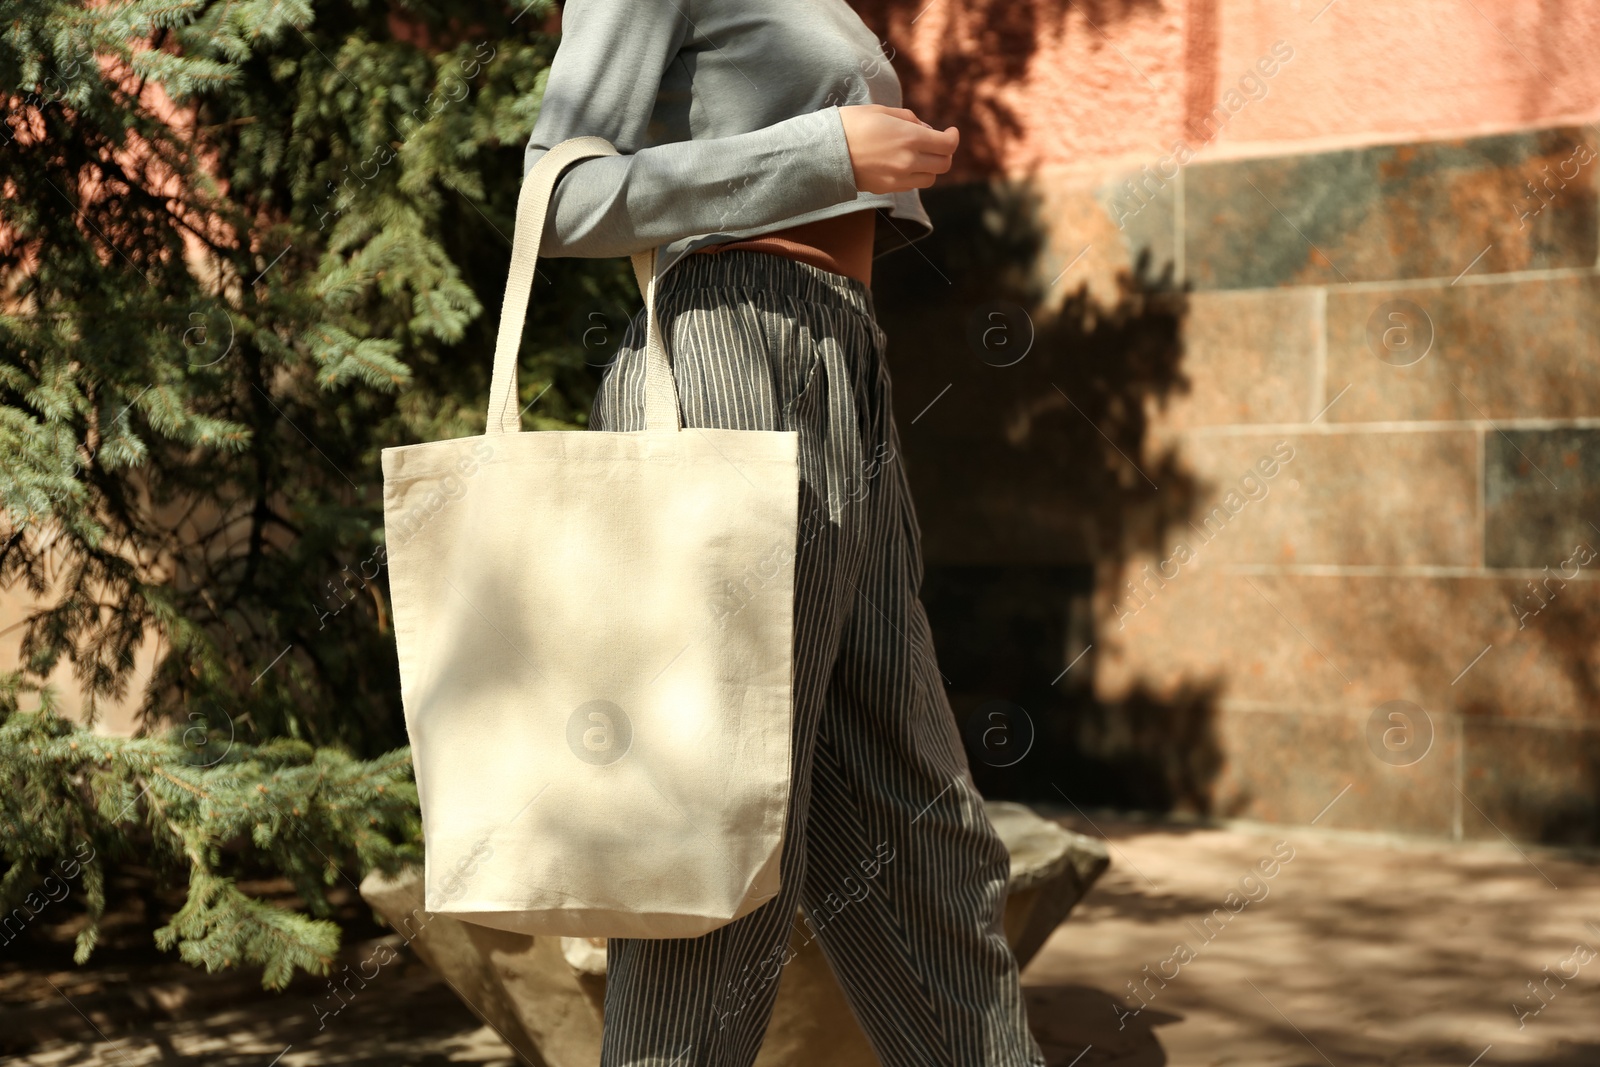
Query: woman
x=766, y=157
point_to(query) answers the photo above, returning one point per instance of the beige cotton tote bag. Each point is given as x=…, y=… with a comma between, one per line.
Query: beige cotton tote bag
x=595, y=650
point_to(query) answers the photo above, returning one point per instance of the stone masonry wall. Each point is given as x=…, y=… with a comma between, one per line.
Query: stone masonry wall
x=1317, y=510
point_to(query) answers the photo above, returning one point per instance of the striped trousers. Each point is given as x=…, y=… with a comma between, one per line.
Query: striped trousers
x=887, y=848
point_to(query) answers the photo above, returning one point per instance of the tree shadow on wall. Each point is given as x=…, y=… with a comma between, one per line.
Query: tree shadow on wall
x=1026, y=432
x=1525, y=779
x=986, y=48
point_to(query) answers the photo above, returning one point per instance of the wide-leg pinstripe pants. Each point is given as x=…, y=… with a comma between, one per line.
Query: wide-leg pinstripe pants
x=887, y=848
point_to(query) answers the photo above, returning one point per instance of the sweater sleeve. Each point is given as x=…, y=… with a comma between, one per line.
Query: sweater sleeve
x=603, y=82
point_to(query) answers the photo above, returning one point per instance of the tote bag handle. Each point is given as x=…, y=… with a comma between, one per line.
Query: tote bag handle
x=533, y=202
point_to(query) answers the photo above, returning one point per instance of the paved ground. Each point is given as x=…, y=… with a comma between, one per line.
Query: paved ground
x=1350, y=952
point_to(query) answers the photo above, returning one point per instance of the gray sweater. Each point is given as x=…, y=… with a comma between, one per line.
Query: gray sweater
x=726, y=113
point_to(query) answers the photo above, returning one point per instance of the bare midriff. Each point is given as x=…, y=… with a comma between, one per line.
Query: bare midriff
x=841, y=244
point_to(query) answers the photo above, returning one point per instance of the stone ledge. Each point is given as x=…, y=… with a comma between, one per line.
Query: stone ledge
x=545, y=995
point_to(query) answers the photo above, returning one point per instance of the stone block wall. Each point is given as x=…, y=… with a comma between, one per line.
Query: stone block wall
x=1294, y=476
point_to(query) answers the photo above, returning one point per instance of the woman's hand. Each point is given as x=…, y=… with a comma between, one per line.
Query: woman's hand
x=892, y=150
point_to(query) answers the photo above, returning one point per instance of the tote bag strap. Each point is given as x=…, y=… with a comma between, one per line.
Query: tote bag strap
x=533, y=202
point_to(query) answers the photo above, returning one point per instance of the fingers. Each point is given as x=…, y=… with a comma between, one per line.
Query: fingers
x=893, y=150
x=909, y=116
x=938, y=142
x=903, y=113
x=933, y=154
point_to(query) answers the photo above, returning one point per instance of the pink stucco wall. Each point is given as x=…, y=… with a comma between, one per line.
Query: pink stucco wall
x=1040, y=85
